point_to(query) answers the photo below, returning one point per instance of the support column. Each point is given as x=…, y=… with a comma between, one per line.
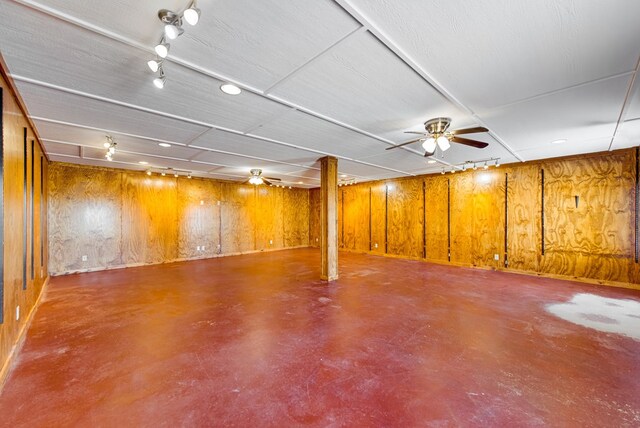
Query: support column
x=329, y=217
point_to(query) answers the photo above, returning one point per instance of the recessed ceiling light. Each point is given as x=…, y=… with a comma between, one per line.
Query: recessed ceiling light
x=300, y=182
x=560, y=141
x=343, y=176
x=230, y=89
x=431, y=161
x=164, y=144
x=143, y=162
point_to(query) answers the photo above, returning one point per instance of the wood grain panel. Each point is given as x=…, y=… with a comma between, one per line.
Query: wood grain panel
x=18, y=219
x=524, y=213
x=596, y=238
x=378, y=216
x=198, y=217
x=355, y=217
x=150, y=218
x=85, y=216
x=405, y=217
x=462, y=218
x=296, y=217
x=238, y=212
x=315, y=205
x=269, y=218
x=436, y=226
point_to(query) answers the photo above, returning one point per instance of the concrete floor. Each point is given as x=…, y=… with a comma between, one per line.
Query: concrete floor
x=257, y=340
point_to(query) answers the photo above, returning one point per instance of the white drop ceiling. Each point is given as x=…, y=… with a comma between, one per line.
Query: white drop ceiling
x=345, y=78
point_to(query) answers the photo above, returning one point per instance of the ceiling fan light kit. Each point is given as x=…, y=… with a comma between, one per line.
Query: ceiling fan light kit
x=257, y=179
x=437, y=135
x=172, y=30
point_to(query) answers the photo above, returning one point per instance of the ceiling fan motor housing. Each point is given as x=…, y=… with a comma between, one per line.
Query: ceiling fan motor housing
x=438, y=125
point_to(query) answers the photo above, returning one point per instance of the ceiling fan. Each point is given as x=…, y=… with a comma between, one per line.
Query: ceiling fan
x=438, y=136
x=257, y=178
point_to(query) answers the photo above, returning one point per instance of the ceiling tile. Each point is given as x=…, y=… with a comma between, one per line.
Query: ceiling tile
x=243, y=145
x=65, y=107
x=491, y=53
x=304, y=130
x=362, y=83
x=583, y=113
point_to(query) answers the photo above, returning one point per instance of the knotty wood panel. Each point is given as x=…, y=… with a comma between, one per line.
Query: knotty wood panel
x=198, y=217
x=436, y=226
x=238, y=211
x=85, y=218
x=17, y=219
x=524, y=221
x=595, y=239
x=149, y=218
x=378, y=216
x=405, y=218
x=355, y=217
x=269, y=219
x=296, y=217
x=315, y=205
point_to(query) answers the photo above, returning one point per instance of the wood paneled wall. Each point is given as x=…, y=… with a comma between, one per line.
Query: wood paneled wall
x=494, y=218
x=24, y=212
x=126, y=218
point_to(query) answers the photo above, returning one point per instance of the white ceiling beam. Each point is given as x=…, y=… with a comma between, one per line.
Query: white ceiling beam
x=625, y=103
x=391, y=45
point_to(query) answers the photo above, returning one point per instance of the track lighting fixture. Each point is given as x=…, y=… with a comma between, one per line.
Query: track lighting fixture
x=486, y=166
x=497, y=163
x=160, y=80
x=475, y=167
x=172, y=30
x=175, y=175
x=110, y=145
x=148, y=172
x=189, y=176
x=442, y=171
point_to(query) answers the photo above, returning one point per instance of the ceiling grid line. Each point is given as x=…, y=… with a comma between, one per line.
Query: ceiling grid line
x=625, y=103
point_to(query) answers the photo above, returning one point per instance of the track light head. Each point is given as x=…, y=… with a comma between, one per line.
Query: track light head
x=172, y=31
x=162, y=48
x=192, y=14
x=148, y=172
x=475, y=166
x=154, y=64
x=160, y=80
x=486, y=166
x=497, y=163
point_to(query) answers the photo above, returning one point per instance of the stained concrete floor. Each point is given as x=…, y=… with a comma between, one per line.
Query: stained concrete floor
x=257, y=340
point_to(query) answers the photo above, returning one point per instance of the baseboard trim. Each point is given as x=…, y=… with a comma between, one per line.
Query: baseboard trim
x=181, y=259
x=592, y=281
x=22, y=334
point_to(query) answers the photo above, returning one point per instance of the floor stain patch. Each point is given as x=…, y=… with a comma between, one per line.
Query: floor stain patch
x=601, y=313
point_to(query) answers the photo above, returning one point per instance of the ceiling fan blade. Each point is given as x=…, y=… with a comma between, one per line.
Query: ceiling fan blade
x=272, y=178
x=468, y=142
x=475, y=130
x=267, y=182
x=416, y=132
x=427, y=154
x=403, y=144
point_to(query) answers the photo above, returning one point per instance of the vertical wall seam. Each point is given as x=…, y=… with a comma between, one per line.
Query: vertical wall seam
x=448, y=219
x=25, y=211
x=636, y=202
x=542, y=209
x=424, y=219
x=506, y=219
x=386, y=218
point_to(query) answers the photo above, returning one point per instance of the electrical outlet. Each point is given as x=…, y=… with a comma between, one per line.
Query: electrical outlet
x=496, y=257
x=85, y=258
x=375, y=245
x=198, y=248
x=270, y=241
x=17, y=313
x=203, y=248
x=317, y=239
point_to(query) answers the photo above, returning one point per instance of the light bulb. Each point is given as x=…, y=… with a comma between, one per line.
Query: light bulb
x=497, y=164
x=160, y=81
x=192, y=15
x=175, y=175
x=443, y=142
x=189, y=176
x=107, y=145
x=163, y=174
x=154, y=65
x=429, y=145
x=162, y=49
x=172, y=31
x=442, y=171
x=486, y=166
